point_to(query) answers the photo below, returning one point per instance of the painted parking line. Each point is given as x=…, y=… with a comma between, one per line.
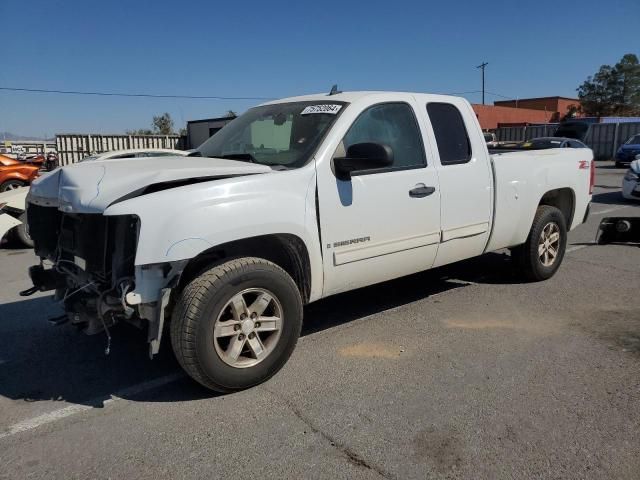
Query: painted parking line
x=61, y=413
x=609, y=210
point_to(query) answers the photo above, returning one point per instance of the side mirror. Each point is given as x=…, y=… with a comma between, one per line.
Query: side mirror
x=362, y=157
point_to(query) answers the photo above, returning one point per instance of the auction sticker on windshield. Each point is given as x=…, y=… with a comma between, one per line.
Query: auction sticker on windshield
x=331, y=109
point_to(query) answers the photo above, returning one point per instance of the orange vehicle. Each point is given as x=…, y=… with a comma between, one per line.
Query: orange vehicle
x=15, y=173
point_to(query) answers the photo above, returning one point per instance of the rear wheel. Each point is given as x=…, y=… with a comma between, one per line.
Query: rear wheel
x=541, y=255
x=236, y=325
x=11, y=185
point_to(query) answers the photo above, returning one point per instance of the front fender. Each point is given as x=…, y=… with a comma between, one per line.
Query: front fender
x=180, y=223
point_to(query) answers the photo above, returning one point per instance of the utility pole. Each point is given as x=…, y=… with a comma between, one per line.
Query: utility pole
x=484, y=64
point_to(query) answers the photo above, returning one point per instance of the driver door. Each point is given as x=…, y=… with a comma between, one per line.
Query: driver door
x=383, y=223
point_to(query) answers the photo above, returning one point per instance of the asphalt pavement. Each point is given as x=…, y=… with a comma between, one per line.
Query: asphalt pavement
x=460, y=372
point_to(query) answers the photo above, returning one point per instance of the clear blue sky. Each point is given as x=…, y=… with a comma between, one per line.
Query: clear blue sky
x=276, y=49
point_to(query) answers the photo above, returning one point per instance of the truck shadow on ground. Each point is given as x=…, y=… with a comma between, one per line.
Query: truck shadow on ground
x=41, y=362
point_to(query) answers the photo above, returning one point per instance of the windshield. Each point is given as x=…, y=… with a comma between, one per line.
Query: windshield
x=635, y=140
x=284, y=134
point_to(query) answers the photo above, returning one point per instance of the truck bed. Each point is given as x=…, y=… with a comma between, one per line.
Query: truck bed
x=522, y=178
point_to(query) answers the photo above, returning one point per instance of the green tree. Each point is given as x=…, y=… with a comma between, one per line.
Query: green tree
x=139, y=131
x=613, y=90
x=163, y=124
x=572, y=112
x=231, y=114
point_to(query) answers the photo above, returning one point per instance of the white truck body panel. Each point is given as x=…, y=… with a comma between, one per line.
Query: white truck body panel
x=356, y=232
x=521, y=189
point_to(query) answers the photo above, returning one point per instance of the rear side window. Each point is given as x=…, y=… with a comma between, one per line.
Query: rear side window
x=451, y=134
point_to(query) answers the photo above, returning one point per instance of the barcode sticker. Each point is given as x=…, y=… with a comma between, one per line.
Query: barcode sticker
x=331, y=109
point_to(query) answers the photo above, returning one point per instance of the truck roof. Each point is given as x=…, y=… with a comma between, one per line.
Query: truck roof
x=353, y=96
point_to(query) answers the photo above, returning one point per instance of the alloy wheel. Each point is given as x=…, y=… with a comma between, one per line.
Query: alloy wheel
x=248, y=328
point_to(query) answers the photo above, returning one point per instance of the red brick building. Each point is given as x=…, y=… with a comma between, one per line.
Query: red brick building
x=548, y=104
x=491, y=116
x=523, y=111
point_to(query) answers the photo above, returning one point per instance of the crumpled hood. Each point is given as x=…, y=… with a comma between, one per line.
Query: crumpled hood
x=635, y=167
x=90, y=187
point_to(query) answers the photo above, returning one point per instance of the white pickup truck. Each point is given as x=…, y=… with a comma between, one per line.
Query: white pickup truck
x=295, y=200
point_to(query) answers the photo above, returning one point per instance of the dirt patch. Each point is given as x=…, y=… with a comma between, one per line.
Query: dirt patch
x=519, y=323
x=480, y=324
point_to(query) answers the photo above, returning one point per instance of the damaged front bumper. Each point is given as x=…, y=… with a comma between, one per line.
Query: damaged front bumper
x=93, y=271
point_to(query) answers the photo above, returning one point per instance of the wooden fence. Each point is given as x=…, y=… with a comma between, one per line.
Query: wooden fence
x=74, y=147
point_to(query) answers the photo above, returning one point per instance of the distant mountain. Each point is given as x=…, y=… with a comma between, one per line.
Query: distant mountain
x=12, y=137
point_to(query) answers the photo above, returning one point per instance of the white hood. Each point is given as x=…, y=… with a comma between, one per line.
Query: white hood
x=90, y=187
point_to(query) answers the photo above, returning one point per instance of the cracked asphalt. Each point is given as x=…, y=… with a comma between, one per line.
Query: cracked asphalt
x=460, y=372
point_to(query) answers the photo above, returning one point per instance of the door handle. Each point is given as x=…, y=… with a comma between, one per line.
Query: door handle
x=420, y=191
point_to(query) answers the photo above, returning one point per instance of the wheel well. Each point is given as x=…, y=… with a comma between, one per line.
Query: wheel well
x=285, y=250
x=563, y=199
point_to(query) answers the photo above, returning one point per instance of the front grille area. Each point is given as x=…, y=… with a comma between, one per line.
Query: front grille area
x=85, y=236
x=103, y=246
x=44, y=223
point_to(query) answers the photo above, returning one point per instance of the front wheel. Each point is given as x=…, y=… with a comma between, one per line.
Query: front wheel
x=541, y=255
x=236, y=325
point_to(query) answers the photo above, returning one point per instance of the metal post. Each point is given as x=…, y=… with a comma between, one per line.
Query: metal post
x=615, y=141
x=482, y=66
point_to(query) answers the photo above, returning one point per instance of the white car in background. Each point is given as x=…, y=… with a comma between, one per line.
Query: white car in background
x=631, y=181
x=137, y=153
x=12, y=203
x=13, y=216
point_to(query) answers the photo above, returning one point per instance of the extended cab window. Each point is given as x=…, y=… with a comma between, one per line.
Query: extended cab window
x=451, y=134
x=392, y=124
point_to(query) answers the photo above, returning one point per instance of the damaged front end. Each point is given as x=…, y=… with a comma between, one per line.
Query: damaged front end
x=93, y=274
x=88, y=231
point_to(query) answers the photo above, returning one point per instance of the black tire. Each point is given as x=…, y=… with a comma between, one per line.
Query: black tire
x=20, y=233
x=206, y=297
x=526, y=257
x=11, y=184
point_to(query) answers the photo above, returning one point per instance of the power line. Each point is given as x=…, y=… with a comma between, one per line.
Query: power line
x=195, y=97
x=116, y=94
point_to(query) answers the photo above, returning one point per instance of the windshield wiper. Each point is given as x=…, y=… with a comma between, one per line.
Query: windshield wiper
x=239, y=156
